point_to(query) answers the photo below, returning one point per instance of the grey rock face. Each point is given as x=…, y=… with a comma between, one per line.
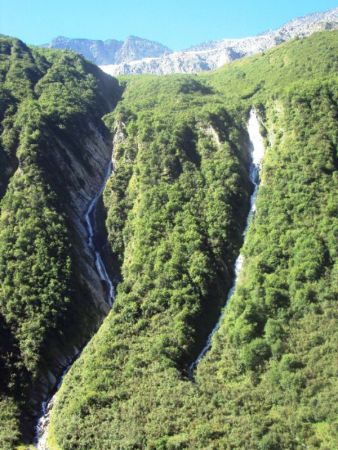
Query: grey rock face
x=214, y=54
x=81, y=179
x=111, y=51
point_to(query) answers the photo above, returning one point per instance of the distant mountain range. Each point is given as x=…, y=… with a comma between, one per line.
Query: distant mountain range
x=136, y=55
x=111, y=51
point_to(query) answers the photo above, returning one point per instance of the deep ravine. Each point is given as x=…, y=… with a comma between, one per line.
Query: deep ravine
x=257, y=153
x=40, y=440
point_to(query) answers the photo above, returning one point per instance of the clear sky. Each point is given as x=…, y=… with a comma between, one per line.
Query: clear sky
x=176, y=23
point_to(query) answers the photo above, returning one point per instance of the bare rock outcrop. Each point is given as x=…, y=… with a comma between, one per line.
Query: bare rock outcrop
x=211, y=55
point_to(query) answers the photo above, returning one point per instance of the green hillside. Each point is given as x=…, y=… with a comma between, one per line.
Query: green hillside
x=47, y=99
x=176, y=208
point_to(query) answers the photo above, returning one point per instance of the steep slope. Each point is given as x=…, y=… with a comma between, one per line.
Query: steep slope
x=177, y=204
x=53, y=150
x=111, y=51
x=211, y=55
x=276, y=348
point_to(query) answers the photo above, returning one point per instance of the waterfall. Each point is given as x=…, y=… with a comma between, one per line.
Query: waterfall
x=256, y=153
x=89, y=219
x=40, y=440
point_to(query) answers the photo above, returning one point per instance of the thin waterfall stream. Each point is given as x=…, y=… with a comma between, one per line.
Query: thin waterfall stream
x=257, y=154
x=89, y=219
x=40, y=439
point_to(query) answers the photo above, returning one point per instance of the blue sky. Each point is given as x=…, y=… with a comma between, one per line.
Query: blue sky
x=176, y=23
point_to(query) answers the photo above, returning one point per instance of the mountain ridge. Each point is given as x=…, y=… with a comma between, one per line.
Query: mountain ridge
x=110, y=51
x=211, y=55
x=136, y=55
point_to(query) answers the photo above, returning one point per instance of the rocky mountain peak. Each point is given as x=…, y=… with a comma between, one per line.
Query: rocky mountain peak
x=139, y=55
x=135, y=48
x=111, y=51
x=213, y=54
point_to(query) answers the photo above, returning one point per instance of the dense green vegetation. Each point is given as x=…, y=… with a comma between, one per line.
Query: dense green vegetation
x=176, y=208
x=276, y=347
x=47, y=99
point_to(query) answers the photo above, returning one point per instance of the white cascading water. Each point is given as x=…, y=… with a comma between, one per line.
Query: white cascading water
x=100, y=266
x=46, y=408
x=257, y=153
